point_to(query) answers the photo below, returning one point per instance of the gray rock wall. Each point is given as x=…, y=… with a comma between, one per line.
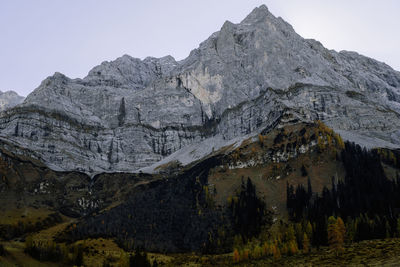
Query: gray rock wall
x=252, y=76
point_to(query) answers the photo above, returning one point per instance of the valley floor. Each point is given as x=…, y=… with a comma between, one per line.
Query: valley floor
x=366, y=253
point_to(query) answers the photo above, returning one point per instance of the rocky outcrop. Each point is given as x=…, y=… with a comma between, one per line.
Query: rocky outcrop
x=26, y=182
x=252, y=76
x=9, y=99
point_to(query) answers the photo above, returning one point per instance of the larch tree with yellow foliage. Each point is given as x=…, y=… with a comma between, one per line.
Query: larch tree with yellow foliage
x=336, y=234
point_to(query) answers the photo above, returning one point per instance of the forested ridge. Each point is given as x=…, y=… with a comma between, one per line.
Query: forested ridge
x=336, y=194
x=367, y=200
x=178, y=214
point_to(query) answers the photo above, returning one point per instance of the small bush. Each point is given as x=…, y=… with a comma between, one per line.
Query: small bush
x=139, y=259
x=3, y=251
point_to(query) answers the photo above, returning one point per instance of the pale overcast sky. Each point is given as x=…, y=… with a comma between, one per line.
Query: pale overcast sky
x=40, y=37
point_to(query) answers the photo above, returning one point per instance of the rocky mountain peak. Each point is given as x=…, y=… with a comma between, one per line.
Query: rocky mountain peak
x=246, y=78
x=258, y=14
x=9, y=99
x=129, y=72
x=260, y=17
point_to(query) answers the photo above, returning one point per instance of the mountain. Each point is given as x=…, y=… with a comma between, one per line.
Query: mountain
x=9, y=99
x=189, y=208
x=247, y=78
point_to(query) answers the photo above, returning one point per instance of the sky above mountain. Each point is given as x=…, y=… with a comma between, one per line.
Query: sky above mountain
x=38, y=38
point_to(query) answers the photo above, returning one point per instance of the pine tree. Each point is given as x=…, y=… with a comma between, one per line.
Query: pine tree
x=276, y=252
x=299, y=235
x=306, y=243
x=398, y=227
x=257, y=252
x=236, y=255
x=309, y=188
x=290, y=233
x=139, y=259
x=333, y=235
x=350, y=230
x=341, y=228
x=303, y=171
x=3, y=251
x=268, y=250
x=308, y=230
x=336, y=232
x=245, y=255
x=64, y=252
x=78, y=255
x=29, y=243
x=293, y=249
x=387, y=230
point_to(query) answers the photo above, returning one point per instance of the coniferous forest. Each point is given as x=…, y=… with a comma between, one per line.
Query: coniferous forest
x=366, y=200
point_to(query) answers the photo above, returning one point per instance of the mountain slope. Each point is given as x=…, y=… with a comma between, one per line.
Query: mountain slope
x=183, y=208
x=248, y=77
x=191, y=209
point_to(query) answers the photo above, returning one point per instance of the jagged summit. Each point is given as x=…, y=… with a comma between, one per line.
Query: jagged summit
x=9, y=99
x=259, y=14
x=248, y=77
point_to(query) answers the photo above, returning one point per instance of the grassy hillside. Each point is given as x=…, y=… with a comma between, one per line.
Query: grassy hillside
x=182, y=215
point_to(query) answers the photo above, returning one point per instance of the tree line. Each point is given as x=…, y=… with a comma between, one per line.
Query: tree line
x=10, y=231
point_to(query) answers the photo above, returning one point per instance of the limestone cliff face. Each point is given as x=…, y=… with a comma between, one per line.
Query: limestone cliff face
x=252, y=76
